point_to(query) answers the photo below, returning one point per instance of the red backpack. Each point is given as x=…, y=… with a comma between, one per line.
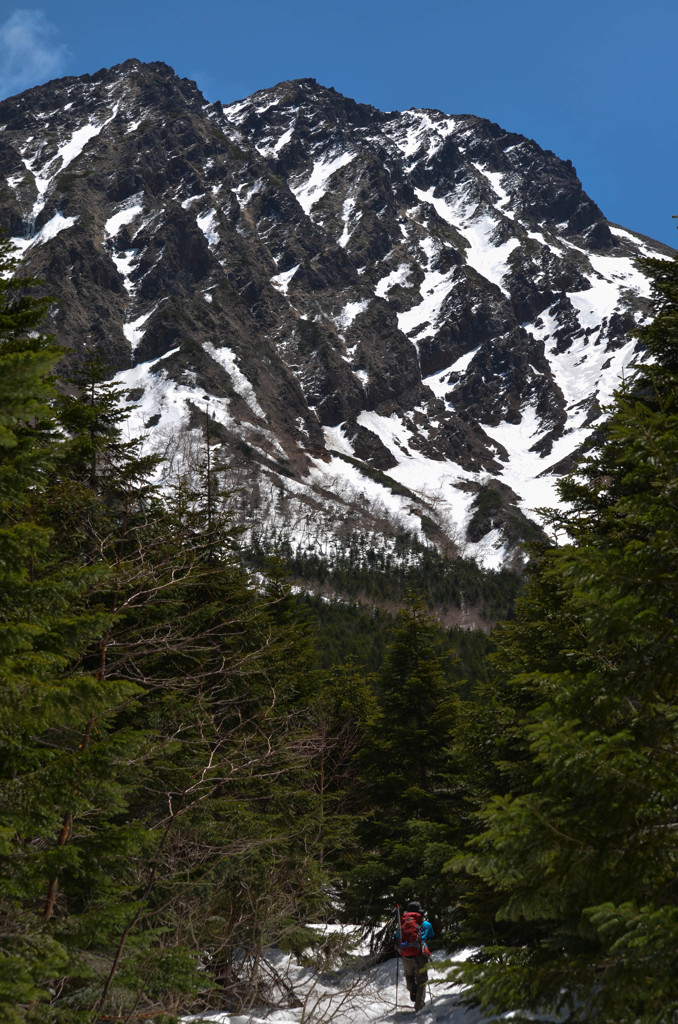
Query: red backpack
x=410, y=933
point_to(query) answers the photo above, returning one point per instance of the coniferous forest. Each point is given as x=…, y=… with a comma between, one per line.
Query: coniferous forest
x=197, y=762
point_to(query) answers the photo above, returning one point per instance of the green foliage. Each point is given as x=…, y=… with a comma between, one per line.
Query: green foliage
x=386, y=578
x=406, y=783
x=56, y=787
x=174, y=772
x=91, y=410
x=491, y=509
x=344, y=630
x=577, y=847
x=195, y=762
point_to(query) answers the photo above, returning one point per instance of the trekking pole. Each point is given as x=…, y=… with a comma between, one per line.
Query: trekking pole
x=397, y=954
x=428, y=981
x=430, y=993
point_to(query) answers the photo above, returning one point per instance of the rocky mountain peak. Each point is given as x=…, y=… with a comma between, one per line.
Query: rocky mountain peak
x=390, y=312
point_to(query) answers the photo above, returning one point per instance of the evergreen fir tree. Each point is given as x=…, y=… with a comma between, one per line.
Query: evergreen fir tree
x=229, y=795
x=55, y=770
x=341, y=715
x=407, y=784
x=93, y=411
x=581, y=845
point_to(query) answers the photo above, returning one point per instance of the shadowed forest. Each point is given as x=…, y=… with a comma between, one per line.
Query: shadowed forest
x=199, y=758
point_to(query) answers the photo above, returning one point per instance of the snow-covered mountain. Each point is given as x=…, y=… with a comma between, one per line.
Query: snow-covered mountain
x=403, y=322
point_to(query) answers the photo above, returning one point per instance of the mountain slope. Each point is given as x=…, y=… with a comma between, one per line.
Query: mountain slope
x=403, y=322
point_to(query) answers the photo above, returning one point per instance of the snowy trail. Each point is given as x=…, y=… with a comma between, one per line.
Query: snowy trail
x=355, y=997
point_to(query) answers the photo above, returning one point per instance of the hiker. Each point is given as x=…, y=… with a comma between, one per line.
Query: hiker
x=413, y=935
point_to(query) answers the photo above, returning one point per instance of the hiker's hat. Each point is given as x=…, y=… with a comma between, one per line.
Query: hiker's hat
x=415, y=907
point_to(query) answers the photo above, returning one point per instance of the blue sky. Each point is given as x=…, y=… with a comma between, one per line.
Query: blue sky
x=593, y=80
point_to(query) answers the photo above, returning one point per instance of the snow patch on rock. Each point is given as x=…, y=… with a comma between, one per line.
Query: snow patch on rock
x=309, y=190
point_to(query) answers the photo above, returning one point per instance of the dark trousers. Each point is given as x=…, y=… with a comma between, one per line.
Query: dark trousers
x=414, y=969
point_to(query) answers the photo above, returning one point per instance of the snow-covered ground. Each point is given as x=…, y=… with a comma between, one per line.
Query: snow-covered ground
x=367, y=994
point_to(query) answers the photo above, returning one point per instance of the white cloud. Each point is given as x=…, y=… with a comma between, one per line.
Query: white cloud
x=28, y=53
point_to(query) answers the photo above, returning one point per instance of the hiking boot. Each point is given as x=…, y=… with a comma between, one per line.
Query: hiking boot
x=420, y=997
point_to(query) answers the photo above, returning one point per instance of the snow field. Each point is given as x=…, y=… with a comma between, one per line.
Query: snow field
x=434, y=289
x=364, y=993
x=207, y=222
x=170, y=400
x=51, y=229
x=309, y=190
x=294, y=520
x=272, y=148
x=65, y=155
x=244, y=192
x=483, y=255
x=133, y=330
x=125, y=266
x=350, y=311
x=523, y=468
x=226, y=358
x=435, y=483
x=350, y=221
x=421, y=128
x=398, y=276
x=584, y=370
x=282, y=281
x=128, y=212
x=495, y=179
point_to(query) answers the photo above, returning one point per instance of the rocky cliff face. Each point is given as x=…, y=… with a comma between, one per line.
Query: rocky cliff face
x=402, y=321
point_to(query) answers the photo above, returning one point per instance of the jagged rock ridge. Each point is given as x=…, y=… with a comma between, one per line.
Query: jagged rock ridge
x=403, y=321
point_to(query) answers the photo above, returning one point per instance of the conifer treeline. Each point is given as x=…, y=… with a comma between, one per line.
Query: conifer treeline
x=161, y=735
x=192, y=770
x=184, y=781
x=576, y=854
